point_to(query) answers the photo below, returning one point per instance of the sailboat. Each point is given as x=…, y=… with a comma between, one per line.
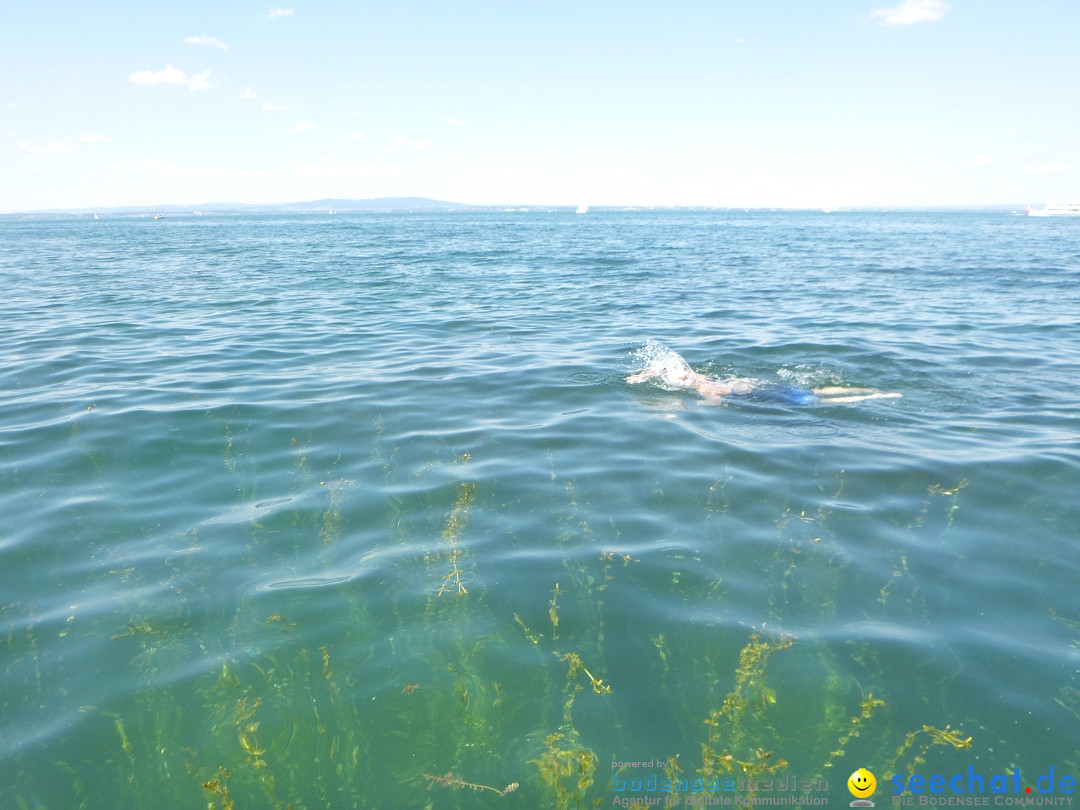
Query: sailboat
x=582, y=209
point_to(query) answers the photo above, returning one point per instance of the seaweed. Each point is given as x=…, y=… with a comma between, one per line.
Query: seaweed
x=867, y=708
x=747, y=701
x=451, y=781
x=567, y=768
x=935, y=736
x=455, y=525
x=288, y=712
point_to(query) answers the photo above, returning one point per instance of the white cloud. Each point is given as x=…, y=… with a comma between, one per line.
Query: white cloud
x=212, y=42
x=402, y=140
x=911, y=11
x=50, y=147
x=247, y=95
x=352, y=136
x=280, y=12
x=201, y=81
x=95, y=139
x=1050, y=168
x=160, y=166
x=351, y=114
x=451, y=122
x=304, y=126
x=269, y=106
x=171, y=75
x=168, y=75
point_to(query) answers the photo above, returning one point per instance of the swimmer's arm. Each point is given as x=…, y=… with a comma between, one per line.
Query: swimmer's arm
x=712, y=389
x=644, y=376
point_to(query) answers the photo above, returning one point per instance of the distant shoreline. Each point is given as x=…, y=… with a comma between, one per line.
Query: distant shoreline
x=423, y=205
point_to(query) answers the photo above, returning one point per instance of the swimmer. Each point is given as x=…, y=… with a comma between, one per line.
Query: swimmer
x=669, y=368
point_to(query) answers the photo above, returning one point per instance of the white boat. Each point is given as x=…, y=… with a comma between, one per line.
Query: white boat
x=1055, y=210
x=582, y=209
x=159, y=216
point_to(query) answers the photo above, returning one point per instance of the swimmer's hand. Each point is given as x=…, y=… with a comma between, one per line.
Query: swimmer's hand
x=634, y=379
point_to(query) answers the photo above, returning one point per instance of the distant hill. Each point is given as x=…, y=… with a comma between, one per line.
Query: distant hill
x=379, y=204
x=426, y=205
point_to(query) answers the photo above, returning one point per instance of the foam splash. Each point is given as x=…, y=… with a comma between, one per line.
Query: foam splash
x=666, y=364
x=806, y=376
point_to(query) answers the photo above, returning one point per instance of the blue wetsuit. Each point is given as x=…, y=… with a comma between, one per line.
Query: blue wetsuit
x=775, y=392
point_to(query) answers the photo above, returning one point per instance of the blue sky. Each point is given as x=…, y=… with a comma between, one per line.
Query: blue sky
x=789, y=103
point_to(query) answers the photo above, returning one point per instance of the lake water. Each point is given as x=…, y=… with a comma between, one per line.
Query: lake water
x=360, y=510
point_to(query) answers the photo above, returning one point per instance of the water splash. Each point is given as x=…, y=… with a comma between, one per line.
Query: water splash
x=667, y=365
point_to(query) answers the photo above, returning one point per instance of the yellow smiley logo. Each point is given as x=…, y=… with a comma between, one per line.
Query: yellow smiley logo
x=861, y=783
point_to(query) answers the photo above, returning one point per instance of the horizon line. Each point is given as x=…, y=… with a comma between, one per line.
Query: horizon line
x=426, y=204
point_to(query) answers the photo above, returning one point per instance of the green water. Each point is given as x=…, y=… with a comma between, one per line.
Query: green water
x=361, y=512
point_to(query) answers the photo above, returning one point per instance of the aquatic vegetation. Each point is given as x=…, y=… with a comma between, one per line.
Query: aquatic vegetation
x=330, y=530
x=576, y=666
x=728, y=725
x=533, y=638
x=867, y=709
x=219, y=789
x=451, y=781
x=126, y=746
x=567, y=768
x=1068, y=697
x=553, y=612
x=952, y=494
x=373, y=699
x=946, y=737
x=455, y=525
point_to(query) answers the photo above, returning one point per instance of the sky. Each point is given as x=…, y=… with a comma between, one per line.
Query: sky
x=747, y=103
